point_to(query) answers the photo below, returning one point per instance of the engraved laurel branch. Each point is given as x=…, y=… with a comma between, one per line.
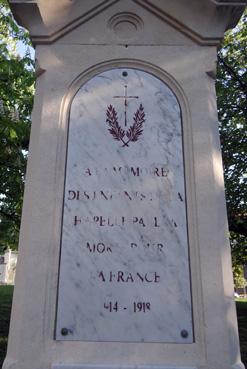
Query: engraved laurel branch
x=133, y=133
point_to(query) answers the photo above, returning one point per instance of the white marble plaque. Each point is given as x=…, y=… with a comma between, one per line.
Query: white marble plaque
x=124, y=269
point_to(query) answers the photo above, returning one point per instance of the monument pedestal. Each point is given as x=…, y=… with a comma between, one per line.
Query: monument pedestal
x=124, y=227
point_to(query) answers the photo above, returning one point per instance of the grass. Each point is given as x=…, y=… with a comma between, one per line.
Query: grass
x=6, y=293
x=241, y=305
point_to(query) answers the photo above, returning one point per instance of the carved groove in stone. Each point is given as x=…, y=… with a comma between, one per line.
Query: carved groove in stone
x=125, y=24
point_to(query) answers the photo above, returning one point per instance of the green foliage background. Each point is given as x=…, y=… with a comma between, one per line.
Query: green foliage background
x=231, y=89
x=16, y=99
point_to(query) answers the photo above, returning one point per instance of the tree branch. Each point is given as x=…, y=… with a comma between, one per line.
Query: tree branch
x=238, y=225
x=232, y=72
x=11, y=216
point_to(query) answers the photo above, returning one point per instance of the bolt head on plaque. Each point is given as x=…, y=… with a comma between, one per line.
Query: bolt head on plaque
x=64, y=331
x=184, y=333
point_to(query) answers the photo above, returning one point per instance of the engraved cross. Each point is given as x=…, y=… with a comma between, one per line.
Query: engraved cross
x=126, y=97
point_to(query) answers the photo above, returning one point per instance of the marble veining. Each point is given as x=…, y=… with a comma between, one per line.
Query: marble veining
x=87, y=366
x=124, y=270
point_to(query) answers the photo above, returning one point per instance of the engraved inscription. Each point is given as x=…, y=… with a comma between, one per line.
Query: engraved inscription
x=124, y=269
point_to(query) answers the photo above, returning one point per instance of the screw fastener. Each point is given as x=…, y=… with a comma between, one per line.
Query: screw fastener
x=64, y=331
x=184, y=333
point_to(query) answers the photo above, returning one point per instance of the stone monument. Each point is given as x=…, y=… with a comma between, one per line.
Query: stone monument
x=124, y=260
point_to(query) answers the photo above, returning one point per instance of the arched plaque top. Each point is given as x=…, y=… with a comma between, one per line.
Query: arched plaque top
x=130, y=94
x=124, y=65
x=124, y=248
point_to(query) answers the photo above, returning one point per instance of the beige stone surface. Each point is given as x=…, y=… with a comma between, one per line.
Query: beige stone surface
x=183, y=65
x=203, y=21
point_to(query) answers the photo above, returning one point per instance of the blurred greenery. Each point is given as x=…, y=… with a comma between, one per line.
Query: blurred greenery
x=231, y=89
x=241, y=305
x=6, y=293
x=16, y=99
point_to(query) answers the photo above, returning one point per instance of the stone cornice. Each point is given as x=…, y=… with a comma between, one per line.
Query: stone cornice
x=30, y=14
x=228, y=3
